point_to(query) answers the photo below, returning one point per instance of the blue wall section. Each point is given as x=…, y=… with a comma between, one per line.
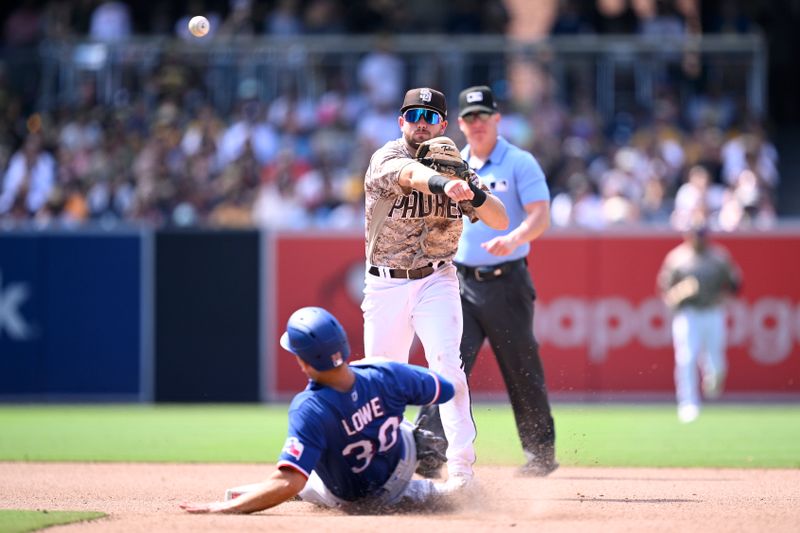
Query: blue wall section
x=83, y=311
x=22, y=300
x=207, y=316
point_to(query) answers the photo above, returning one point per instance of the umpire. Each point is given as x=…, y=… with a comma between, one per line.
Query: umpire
x=497, y=293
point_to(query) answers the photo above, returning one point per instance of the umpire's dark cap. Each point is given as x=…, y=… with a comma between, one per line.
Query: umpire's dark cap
x=426, y=98
x=476, y=99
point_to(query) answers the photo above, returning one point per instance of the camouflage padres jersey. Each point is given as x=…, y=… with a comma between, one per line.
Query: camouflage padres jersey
x=713, y=269
x=419, y=228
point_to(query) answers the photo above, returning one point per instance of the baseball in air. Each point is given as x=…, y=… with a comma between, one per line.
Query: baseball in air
x=199, y=26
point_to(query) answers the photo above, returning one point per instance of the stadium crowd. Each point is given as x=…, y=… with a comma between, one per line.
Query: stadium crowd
x=169, y=157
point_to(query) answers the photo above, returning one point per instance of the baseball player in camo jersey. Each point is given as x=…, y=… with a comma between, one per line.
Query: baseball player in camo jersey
x=413, y=224
x=348, y=446
x=694, y=280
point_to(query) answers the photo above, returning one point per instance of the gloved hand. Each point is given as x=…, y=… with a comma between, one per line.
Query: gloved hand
x=442, y=155
x=430, y=447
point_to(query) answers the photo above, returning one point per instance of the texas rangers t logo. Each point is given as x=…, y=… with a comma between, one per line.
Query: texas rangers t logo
x=293, y=447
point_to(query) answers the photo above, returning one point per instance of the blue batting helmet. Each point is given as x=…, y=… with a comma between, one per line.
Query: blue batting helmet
x=316, y=337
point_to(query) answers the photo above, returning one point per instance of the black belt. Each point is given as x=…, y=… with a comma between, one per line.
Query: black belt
x=414, y=273
x=490, y=272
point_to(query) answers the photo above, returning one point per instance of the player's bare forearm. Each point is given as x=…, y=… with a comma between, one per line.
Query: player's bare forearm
x=415, y=175
x=493, y=213
x=281, y=486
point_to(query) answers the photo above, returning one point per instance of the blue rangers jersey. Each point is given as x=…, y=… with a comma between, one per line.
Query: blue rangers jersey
x=352, y=439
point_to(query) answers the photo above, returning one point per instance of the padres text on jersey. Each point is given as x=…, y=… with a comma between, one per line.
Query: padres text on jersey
x=420, y=228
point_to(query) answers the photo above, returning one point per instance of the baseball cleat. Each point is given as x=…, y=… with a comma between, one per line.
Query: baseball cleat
x=536, y=468
x=712, y=385
x=688, y=413
x=456, y=484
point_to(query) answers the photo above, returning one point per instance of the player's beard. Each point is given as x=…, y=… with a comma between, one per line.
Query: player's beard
x=421, y=136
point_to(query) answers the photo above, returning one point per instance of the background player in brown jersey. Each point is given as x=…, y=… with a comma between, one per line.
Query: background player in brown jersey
x=694, y=279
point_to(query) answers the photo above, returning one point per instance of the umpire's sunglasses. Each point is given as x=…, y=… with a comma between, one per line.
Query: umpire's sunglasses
x=483, y=116
x=430, y=116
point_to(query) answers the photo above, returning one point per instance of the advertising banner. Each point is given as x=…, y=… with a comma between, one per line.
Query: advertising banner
x=601, y=325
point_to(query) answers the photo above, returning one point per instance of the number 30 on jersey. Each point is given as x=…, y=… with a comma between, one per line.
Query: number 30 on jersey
x=364, y=450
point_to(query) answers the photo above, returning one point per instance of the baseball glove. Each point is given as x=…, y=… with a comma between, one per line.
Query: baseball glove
x=430, y=448
x=442, y=155
x=685, y=289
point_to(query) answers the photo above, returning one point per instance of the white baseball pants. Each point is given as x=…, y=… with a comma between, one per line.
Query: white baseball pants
x=395, y=309
x=698, y=336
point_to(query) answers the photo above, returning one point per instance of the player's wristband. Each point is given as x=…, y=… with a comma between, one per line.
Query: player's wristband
x=479, y=195
x=436, y=184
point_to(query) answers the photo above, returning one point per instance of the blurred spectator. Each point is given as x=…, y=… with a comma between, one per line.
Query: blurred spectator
x=233, y=202
x=377, y=126
x=203, y=134
x=56, y=19
x=294, y=116
x=380, y=74
x=615, y=17
x=659, y=19
x=22, y=31
x=495, y=17
x=711, y=107
x=752, y=151
x=251, y=127
x=698, y=197
x=747, y=205
x=284, y=19
x=286, y=168
x=323, y=17
x=111, y=22
x=618, y=205
x=703, y=147
x=81, y=132
x=160, y=148
x=29, y=180
x=239, y=21
x=579, y=206
x=323, y=188
x=655, y=206
x=23, y=27
x=172, y=79
x=571, y=19
x=276, y=204
x=339, y=106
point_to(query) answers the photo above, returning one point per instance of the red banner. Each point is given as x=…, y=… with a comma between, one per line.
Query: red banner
x=601, y=326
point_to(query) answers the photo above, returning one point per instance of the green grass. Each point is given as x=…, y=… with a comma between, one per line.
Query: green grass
x=764, y=436
x=737, y=436
x=13, y=521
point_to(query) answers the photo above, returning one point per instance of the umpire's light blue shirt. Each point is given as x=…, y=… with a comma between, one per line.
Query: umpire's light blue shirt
x=515, y=177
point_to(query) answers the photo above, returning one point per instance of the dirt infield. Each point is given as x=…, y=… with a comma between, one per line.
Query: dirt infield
x=145, y=497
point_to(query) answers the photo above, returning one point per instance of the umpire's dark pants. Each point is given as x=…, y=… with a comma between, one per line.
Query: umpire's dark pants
x=497, y=304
